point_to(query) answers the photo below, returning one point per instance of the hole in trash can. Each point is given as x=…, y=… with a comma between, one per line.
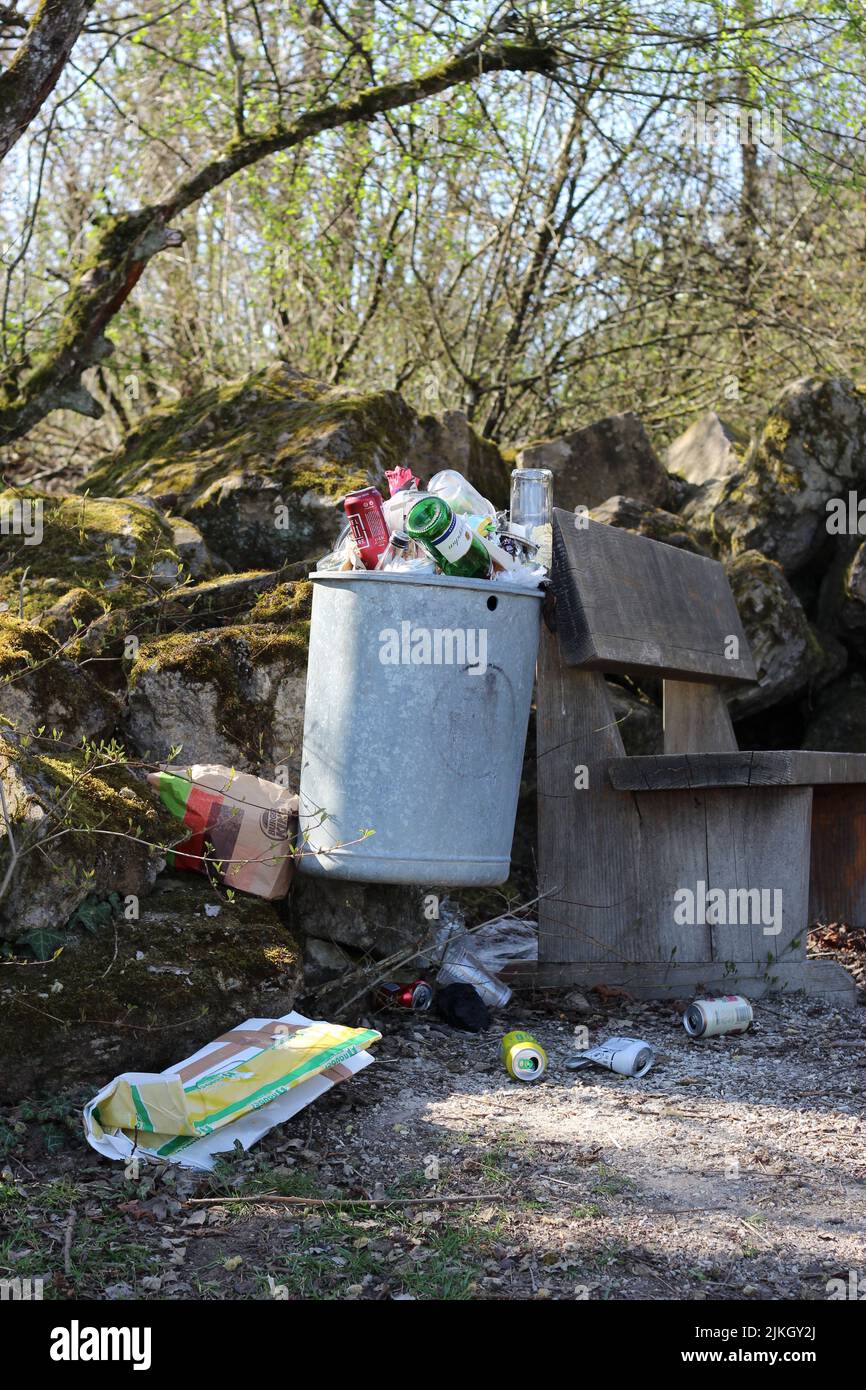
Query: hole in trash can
x=492, y=602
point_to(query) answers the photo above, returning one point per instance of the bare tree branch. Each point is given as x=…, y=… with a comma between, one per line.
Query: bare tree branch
x=124, y=244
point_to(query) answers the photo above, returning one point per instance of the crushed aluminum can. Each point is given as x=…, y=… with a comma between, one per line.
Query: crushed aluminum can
x=523, y=1056
x=417, y=995
x=706, y=1018
x=627, y=1056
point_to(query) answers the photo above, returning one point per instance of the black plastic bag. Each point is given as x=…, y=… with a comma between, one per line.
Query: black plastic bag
x=463, y=1007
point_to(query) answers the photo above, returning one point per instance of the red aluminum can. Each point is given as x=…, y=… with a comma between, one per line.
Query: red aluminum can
x=367, y=520
x=417, y=995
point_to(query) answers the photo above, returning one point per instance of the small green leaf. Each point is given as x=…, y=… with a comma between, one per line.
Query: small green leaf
x=44, y=943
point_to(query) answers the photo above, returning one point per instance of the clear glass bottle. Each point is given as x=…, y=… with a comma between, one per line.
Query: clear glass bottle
x=397, y=549
x=532, y=507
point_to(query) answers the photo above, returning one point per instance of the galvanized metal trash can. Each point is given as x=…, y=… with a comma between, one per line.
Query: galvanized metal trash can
x=418, y=696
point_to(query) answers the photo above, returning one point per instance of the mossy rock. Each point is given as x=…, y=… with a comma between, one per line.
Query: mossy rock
x=811, y=448
x=647, y=520
x=259, y=465
x=140, y=994
x=40, y=688
x=790, y=655
x=373, y=918
x=232, y=695
x=119, y=551
x=286, y=603
x=703, y=462
x=450, y=441
x=842, y=597
x=224, y=601
x=81, y=823
x=610, y=458
x=71, y=613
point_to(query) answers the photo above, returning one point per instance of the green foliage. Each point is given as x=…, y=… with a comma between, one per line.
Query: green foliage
x=533, y=251
x=43, y=943
x=96, y=912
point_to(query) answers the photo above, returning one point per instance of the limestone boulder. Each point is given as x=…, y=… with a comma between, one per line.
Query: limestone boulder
x=708, y=457
x=842, y=597
x=790, y=655
x=376, y=919
x=259, y=465
x=837, y=719
x=613, y=457
x=120, y=552
x=42, y=689
x=810, y=450
x=73, y=824
x=632, y=515
x=232, y=695
x=450, y=441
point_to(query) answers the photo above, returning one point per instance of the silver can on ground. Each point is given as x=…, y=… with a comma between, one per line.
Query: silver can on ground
x=626, y=1056
x=418, y=697
x=706, y=1018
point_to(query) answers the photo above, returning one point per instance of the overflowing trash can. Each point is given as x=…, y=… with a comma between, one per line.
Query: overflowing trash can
x=419, y=689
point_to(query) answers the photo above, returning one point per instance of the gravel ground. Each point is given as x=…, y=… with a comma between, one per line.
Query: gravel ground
x=733, y=1170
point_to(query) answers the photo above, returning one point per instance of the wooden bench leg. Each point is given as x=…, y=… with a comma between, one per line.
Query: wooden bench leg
x=838, y=886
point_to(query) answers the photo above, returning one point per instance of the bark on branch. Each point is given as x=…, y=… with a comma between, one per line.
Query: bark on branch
x=123, y=245
x=33, y=72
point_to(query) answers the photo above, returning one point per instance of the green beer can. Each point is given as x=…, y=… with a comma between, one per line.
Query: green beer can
x=523, y=1057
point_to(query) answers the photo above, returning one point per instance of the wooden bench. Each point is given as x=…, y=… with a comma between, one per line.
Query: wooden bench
x=624, y=841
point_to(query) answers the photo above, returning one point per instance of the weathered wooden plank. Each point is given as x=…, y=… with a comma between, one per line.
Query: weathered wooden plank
x=765, y=768
x=629, y=604
x=696, y=719
x=758, y=855
x=823, y=979
x=673, y=855
x=717, y=867
x=587, y=834
x=838, y=879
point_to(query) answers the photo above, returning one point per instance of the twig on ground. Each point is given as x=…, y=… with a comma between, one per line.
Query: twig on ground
x=67, y=1243
x=262, y=1198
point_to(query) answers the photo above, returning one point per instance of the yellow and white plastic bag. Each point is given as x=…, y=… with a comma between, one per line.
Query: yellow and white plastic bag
x=233, y=1090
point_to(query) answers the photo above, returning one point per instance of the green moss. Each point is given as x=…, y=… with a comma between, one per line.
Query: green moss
x=222, y=580
x=55, y=691
x=201, y=655
x=217, y=967
x=99, y=544
x=111, y=798
x=275, y=423
x=78, y=607
x=21, y=645
x=287, y=603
